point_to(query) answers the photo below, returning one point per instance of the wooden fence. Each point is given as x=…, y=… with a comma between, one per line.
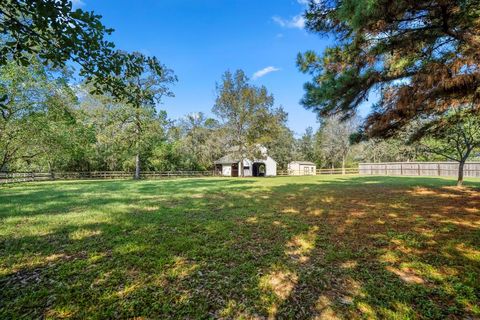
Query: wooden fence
x=13, y=177
x=43, y=176
x=317, y=172
x=444, y=169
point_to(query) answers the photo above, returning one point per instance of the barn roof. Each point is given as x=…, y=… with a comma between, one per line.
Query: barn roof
x=233, y=156
x=229, y=158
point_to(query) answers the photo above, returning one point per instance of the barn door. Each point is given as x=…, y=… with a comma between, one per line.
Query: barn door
x=234, y=169
x=218, y=170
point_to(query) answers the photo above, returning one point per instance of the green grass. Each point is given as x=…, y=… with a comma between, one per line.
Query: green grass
x=289, y=247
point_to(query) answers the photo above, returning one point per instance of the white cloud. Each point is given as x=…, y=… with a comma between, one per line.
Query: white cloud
x=297, y=22
x=78, y=3
x=306, y=2
x=264, y=71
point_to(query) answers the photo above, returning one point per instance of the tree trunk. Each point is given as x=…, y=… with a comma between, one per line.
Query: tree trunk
x=461, y=165
x=4, y=163
x=50, y=170
x=137, y=167
x=137, y=143
x=240, y=165
x=343, y=165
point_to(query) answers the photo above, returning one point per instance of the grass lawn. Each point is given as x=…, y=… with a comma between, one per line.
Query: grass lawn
x=286, y=247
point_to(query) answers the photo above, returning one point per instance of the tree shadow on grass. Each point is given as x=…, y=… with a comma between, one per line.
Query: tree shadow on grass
x=51, y=198
x=343, y=247
x=390, y=253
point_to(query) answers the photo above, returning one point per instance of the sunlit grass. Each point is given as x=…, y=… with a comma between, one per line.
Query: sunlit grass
x=288, y=247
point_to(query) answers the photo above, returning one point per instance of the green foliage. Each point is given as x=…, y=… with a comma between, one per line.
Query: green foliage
x=282, y=148
x=146, y=87
x=200, y=141
x=118, y=137
x=50, y=30
x=38, y=120
x=333, y=140
x=391, y=150
x=454, y=136
x=306, y=146
x=167, y=157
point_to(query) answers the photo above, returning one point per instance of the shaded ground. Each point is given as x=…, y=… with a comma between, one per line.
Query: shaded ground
x=290, y=247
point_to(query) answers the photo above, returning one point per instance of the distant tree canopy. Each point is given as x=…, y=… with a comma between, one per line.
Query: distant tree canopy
x=200, y=140
x=248, y=114
x=454, y=136
x=38, y=119
x=305, y=146
x=283, y=147
x=421, y=56
x=145, y=90
x=334, y=139
x=51, y=31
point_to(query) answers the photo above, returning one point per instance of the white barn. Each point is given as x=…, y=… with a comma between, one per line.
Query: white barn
x=302, y=168
x=229, y=166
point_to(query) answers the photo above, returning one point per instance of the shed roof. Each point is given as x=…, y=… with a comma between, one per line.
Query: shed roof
x=307, y=163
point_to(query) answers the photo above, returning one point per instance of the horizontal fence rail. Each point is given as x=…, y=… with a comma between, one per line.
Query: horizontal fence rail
x=14, y=177
x=439, y=169
x=317, y=172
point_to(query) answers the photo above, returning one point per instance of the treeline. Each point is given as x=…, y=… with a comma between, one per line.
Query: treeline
x=48, y=124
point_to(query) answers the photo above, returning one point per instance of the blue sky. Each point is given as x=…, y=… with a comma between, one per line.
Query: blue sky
x=201, y=39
